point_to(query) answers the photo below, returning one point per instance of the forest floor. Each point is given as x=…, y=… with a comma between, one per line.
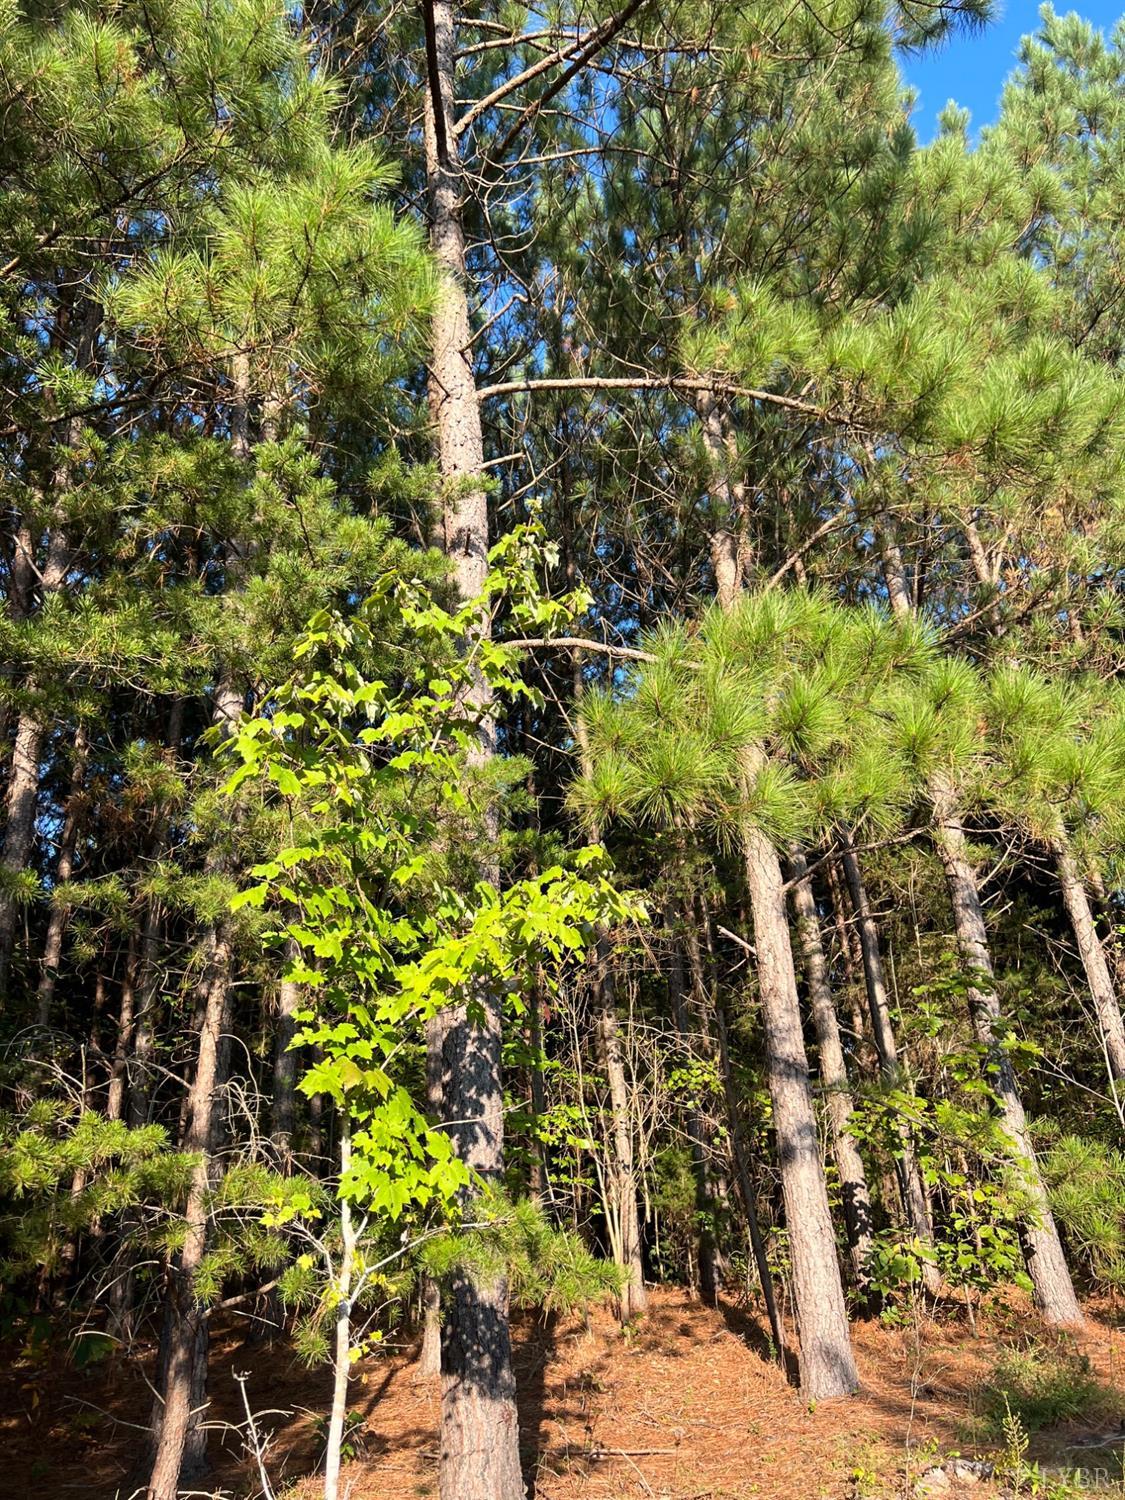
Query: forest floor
x=684, y=1408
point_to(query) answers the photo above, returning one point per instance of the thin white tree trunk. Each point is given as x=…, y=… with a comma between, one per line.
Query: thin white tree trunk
x=341, y=1356
x=622, y=1174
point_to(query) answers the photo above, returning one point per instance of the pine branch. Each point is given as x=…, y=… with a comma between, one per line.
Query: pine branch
x=600, y=37
x=509, y=86
x=658, y=383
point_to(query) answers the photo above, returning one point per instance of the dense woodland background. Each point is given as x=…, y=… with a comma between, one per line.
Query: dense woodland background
x=799, y=454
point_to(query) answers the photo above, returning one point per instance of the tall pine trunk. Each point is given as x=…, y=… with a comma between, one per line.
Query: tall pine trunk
x=181, y=1442
x=833, y=1071
x=31, y=733
x=184, y=1350
x=479, y=1427
x=826, y=1361
x=827, y=1364
x=1042, y=1250
x=1043, y=1254
x=1092, y=953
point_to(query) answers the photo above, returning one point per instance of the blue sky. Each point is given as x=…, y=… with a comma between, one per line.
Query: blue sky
x=972, y=69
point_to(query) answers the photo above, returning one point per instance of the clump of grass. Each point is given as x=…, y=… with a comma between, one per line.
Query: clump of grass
x=1039, y=1386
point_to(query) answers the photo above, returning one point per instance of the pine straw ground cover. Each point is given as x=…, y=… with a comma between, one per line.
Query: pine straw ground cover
x=685, y=1408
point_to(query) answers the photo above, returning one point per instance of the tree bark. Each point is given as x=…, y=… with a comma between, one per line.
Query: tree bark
x=1092, y=954
x=19, y=829
x=479, y=1428
x=833, y=1072
x=826, y=1361
x=1043, y=1254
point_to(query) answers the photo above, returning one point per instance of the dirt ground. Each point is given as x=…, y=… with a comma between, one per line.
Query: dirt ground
x=687, y=1408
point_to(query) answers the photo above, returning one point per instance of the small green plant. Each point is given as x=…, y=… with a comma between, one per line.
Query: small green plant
x=1023, y=1478
x=1013, y=1462
x=1038, y=1387
x=353, y=1443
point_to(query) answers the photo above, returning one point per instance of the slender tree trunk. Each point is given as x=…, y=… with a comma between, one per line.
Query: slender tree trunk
x=22, y=575
x=1046, y=1265
x=833, y=1072
x=745, y=1180
x=283, y=1108
x=115, y=1097
x=538, y=1180
x=704, y=1206
x=181, y=1435
x=134, y=1055
x=740, y=1151
x=19, y=829
x=479, y=1429
x=1092, y=954
x=64, y=869
x=623, y=1212
x=716, y=1184
x=846, y=938
x=341, y=1354
x=913, y=1189
x=429, y=1358
x=827, y=1364
x=141, y=1064
x=185, y=1347
x=826, y=1360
